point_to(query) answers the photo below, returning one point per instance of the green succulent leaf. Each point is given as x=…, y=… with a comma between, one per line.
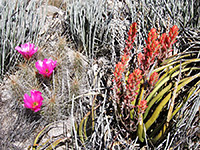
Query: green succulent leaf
x=187, y=80
x=88, y=119
x=177, y=67
x=140, y=129
x=177, y=57
x=85, y=128
x=180, y=85
x=54, y=144
x=83, y=123
x=157, y=98
x=166, y=79
x=36, y=141
x=157, y=111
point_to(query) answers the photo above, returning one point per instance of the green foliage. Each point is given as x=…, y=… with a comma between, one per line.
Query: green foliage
x=168, y=91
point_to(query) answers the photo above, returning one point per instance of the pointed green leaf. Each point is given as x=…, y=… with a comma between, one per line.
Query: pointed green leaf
x=81, y=127
x=183, y=83
x=178, y=57
x=157, y=111
x=182, y=102
x=177, y=67
x=160, y=134
x=54, y=144
x=186, y=81
x=85, y=128
x=140, y=128
x=166, y=79
x=156, y=98
x=39, y=134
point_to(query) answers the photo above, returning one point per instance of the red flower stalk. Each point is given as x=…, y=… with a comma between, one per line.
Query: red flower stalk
x=152, y=36
x=119, y=70
x=142, y=106
x=125, y=59
x=153, y=79
x=172, y=35
x=120, y=67
x=150, y=51
x=159, y=48
x=133, y=84
x=164, y=48
x=127, y=88
x=166, y=42
x=131, y=38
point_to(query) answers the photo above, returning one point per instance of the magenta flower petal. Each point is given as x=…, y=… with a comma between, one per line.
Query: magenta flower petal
x=45, y=67
x=36, y=96
x=37, y=109
x=27, y=101
x=48, y=61
x=18, y=49
x=39, y=65
x=34, y=102
x=27, y=50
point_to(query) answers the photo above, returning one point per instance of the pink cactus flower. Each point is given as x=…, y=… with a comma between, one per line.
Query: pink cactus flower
x=27, y=50
x=45, y=67
x=34, y=102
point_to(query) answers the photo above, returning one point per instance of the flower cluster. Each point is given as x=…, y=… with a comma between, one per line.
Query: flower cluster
x=133, y=84
x=122, y=65
x=131, y=38
x=119, y=70
x=44, y=67
x=157, y=48
x=166, y=42
x=127, y=88
x=150, y=51
x=153, y=79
